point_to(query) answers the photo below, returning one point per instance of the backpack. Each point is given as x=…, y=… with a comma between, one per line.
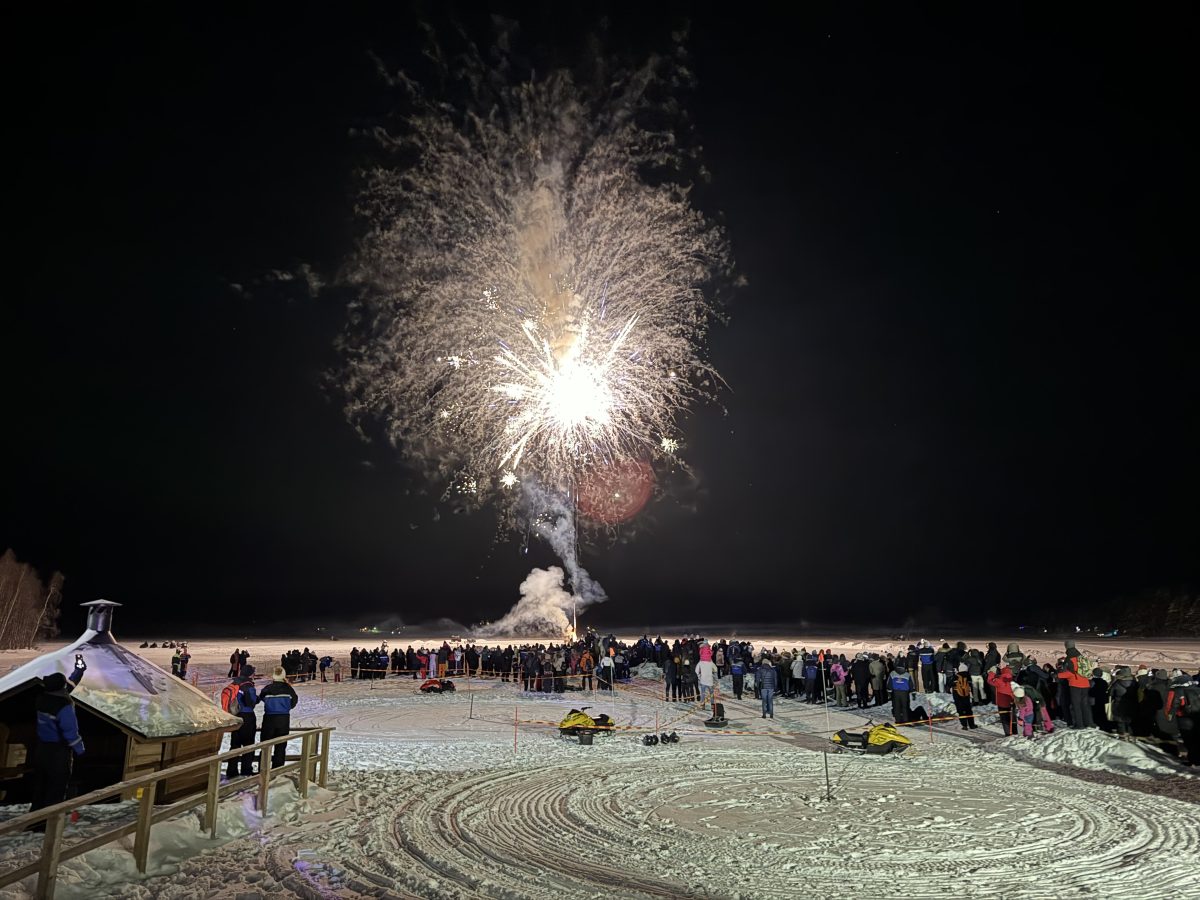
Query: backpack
x=1083, y=666
x=229, y=698
x=962, y=686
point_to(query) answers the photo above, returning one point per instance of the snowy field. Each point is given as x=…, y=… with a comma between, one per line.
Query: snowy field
x=429, y=798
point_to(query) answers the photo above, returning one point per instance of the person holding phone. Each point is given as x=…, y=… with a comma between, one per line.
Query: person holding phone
x=58, y=740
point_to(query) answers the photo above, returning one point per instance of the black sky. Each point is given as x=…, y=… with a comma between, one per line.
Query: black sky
x=963, y=374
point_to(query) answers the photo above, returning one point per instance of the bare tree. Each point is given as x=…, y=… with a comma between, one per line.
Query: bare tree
x=28, y=609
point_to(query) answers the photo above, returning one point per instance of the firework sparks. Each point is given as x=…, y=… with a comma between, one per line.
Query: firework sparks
x=530, y=306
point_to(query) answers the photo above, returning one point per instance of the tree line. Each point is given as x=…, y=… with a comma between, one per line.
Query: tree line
x=29, y=606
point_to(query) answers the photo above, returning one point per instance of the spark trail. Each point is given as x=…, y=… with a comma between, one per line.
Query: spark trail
x=531, y=288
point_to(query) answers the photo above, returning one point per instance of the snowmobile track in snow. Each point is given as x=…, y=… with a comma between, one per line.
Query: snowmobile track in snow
x=717, y=823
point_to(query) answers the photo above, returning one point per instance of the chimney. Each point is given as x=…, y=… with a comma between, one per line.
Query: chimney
x=100, y=620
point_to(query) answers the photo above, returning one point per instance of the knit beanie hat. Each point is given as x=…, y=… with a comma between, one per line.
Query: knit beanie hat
x=705, y=652
x=279, y=674
x=962, y=667
x=55, y=681
x=1018, y=691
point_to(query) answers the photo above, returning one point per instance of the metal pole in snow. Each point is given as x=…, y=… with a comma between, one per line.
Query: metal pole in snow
x=514, y=729
x=828, y=789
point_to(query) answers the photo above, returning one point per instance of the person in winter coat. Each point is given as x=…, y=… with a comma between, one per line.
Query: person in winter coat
x=278, y=699
x=901, y=684
x=247, y=698
x=961, y=692
x=175, y=663
x=1023, y=711
x=767, y=682
x=860, y=672
x=671, y=678
x=1078, y=686
x=706, y=675
x=1000, y=681
x=1158, y=699
x=928, y=671
x=586, y=665
x=1014, y=658
x=838, y=673
x=974, y=661
x=58, y=740
x=1098, y=696
x=737, y=674
x=235, y=662
x=990, y=659
x=1123, y=701
x=1186, y=703
x=878, y=680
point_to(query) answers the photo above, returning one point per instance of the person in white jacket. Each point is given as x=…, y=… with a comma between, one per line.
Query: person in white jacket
x=798, y=671
x=706, y=674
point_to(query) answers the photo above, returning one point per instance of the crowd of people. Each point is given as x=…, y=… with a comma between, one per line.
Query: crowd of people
x=1024, y=695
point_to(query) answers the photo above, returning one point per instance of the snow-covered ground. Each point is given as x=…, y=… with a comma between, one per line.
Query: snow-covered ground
x=429, y=799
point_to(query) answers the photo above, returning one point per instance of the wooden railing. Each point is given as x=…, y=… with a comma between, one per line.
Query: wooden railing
x=312, y=764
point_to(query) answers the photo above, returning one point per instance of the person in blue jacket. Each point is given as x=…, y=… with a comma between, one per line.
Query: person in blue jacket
x=247, y=697
x=278, y=699
x=902, y=684
x=928, y=669
x=58, y=740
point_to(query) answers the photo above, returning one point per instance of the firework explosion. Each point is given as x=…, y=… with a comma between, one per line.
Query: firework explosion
x=531, y=305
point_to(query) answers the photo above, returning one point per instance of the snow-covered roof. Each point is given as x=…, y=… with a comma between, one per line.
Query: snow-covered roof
x=122, y=686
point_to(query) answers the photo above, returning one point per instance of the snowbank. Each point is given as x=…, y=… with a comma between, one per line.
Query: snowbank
x=648, y=670
x=1094, y=749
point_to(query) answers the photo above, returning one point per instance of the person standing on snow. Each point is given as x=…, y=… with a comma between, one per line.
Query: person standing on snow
x=1078, y=686
x=737, y=675
x=247, y=698
x=58, y=740
x=278, y=699
x=184, y=659
x=706, y=674
x=961, y=691
x=928, y=671
x=902, y=685
x=838, y=673
x=767, y=682
x=1001, y=684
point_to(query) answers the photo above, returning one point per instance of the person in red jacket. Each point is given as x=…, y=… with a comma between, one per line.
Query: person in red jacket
x=1001, y=681
x=1079, y=687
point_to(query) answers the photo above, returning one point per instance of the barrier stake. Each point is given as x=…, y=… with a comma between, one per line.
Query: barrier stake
x=514, y=729
x=828, y=789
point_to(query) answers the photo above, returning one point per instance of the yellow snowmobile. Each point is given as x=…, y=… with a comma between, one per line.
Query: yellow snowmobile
x=880, y=740
x=577, y=721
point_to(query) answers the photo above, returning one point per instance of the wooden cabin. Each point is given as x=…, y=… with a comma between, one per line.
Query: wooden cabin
x=134, y=718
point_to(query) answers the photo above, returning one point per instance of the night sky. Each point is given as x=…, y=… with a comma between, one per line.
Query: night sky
x=963, y=373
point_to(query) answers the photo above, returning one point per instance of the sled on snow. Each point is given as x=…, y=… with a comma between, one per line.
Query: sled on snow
x=878, y=741
x=437, y=686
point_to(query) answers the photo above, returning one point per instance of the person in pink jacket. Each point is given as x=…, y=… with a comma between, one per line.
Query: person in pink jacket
x=837, y=673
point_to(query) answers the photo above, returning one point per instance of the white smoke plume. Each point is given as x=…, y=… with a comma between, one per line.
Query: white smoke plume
x=552, y=518
x=544, y=609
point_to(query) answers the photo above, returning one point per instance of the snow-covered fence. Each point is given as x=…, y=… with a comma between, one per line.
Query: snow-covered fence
x=312, y=764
